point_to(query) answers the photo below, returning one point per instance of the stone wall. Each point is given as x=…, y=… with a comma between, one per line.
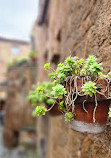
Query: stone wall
x=77, y=27
x=18, y=111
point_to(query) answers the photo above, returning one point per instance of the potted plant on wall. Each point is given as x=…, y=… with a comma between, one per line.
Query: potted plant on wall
x=16, y=61
x=43, y=94
x=21, y=61
x=33, y=56
x=87, y=93
x=9, y=64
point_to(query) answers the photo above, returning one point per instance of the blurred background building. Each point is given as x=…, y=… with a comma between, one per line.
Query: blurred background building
x=10, y=49
x=63, y=28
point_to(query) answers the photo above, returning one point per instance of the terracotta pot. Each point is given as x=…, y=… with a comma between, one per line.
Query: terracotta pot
x=83, y=121
x=99, y=97
x=55, y=110
x=33, y=59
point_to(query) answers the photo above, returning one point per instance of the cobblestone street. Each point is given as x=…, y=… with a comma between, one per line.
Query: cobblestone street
x=19, y=152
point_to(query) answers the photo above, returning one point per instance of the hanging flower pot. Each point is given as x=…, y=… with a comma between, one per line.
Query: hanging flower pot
x=90, y=112
x=33, y=59
x=91, y=118
x=33, y=56
x=85, y=92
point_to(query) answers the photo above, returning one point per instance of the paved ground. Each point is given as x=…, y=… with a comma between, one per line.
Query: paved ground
x=19, y=152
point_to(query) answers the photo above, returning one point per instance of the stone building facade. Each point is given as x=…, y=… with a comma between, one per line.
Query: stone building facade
x=10, y=49
x=73, y=28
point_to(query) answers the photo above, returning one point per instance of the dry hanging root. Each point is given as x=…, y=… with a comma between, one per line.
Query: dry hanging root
x=109, y=81
x=69, y=100
x=67, y=96
x=84, y=106
x=73, y=91
x=107, y=89
x=73, y=100
x=96, y=104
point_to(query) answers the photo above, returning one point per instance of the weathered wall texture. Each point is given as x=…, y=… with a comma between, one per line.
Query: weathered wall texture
x=18, y=112
x=76, y=27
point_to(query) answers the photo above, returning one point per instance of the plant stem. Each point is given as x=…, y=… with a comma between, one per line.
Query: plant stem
x=51, y=107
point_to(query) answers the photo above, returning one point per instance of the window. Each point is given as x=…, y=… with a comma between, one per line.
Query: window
x=55, y=58
x=15, y=50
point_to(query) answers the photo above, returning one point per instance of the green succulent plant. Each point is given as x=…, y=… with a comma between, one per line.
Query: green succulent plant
x=64, y=84
x=46, y=66
x=39, y=111
x=46, y=92
x=33, y=98
x=63, y=106
x=69, y=117
x=89, y=88
x=73, y=66
x=51, y=75
x=109, y=74
x=58, y=91
x=109, y=112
